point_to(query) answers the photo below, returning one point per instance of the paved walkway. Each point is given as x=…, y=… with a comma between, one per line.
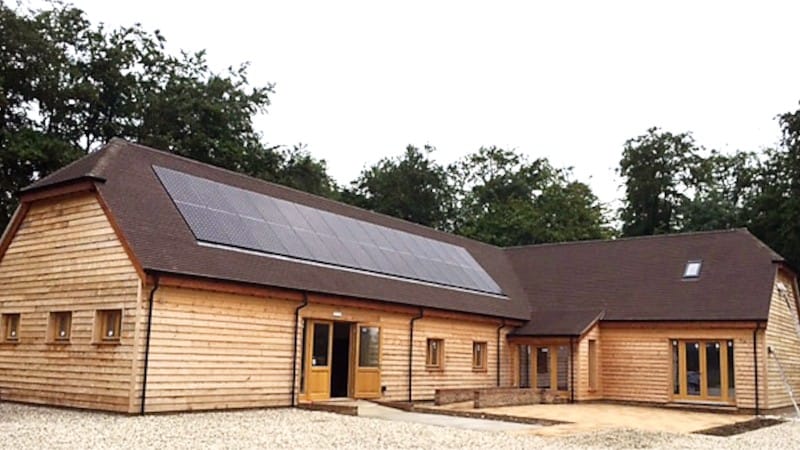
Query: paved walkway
x=368, y=409
x=598, y=416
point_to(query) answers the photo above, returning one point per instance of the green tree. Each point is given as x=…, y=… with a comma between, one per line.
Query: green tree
x=506, y=200
x=775, y=210
x=657, y=168
x=68, y=86
x=412, y=187
x=722, y=192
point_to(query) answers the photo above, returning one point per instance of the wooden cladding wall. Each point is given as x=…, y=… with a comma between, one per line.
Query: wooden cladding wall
x=782, y=337
x=212, y=350
x=66, y=257
x=457, y=371
x=636, y=362
x=582, y=388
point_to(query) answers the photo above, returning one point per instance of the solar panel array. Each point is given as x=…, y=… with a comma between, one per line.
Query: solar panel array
x=226, y=215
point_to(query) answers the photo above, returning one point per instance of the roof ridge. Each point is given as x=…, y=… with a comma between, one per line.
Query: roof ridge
x=629, y=238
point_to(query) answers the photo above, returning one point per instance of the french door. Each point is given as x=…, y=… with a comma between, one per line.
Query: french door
x=361, y=369
x=703, y=370
x=318, y=364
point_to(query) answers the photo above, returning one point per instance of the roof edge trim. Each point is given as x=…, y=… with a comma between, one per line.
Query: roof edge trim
x=33, y=188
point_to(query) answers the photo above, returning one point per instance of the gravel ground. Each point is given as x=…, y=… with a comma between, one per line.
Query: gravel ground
x=23, y=426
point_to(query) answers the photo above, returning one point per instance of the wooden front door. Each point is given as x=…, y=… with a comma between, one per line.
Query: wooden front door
x=319, y=341
x=367, y=367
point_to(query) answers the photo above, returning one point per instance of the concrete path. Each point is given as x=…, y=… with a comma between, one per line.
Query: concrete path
x=369, y=409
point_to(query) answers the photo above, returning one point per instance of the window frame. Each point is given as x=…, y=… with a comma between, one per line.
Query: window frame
x=53, y=325
x=438, y=364
x=549, y=356
x=482, y=360
x=6, y=327
x=102, y=319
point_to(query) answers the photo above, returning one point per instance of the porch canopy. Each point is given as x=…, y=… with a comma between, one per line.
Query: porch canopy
x=559, y=323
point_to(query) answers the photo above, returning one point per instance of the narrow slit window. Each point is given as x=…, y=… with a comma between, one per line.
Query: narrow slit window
x=109, y=325
x=60, y=326
x=434, y=354
x=11, y=327
x=692, y=269
x=479, y=355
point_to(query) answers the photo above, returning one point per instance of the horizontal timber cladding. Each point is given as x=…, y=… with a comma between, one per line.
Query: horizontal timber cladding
x=215, y=350
x=636, y=364
x=456, y=371
x=212, y=350
x=582, y=367
x=782, y=337
x=65, y=256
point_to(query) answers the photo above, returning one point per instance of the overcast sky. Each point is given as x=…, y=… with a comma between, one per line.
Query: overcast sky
x=570, y=81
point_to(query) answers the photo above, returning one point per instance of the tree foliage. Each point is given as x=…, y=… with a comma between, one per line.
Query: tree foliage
x=506, y=200
x=68, y=87
x=658, y=168
x=775, y=206
x=412, y=187
x=672, y=185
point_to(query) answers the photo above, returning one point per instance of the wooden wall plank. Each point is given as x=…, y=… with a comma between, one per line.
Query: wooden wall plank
x=66, y=256
x=782, y=336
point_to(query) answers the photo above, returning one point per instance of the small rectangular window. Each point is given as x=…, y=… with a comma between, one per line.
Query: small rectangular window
x=434, y=355
x=11, y=327
x=108, y=325
x=692, y=269
x=60, y=326
x=479, y=355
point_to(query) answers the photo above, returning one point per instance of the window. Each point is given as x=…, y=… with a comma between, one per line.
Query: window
x=731, y=373
x=60, y=326
x=676, y=373
x=692, y=269
x=562, y=368
x=592, y=365
x=703, y=369
x=553, y=368
x=479, y=355
x=320, y=344
x=434, y=357
x=524, y=366
x=543, y=368
x=108, y=325
x=369, y=347
x=11, y=327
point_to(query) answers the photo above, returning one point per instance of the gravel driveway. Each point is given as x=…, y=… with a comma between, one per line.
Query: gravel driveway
x=23, y=427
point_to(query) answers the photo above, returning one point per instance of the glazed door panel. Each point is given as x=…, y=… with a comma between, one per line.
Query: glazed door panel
x=367, y=362
x=703, y=370
x=318, y=356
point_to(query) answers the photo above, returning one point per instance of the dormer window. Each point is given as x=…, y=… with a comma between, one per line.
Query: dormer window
x=692, y=269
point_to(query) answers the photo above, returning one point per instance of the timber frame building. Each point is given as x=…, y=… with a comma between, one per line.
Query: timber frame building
x=137, y=281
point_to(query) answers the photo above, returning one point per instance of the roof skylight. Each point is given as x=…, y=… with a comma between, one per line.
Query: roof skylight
x=692, y=269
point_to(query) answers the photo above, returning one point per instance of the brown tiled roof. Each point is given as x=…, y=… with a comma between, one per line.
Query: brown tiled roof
x=635, y=279
x=569, y=323
x=162, y=242
x=642, y=278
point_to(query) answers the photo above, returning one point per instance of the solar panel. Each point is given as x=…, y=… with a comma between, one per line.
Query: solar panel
x=224, y=215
